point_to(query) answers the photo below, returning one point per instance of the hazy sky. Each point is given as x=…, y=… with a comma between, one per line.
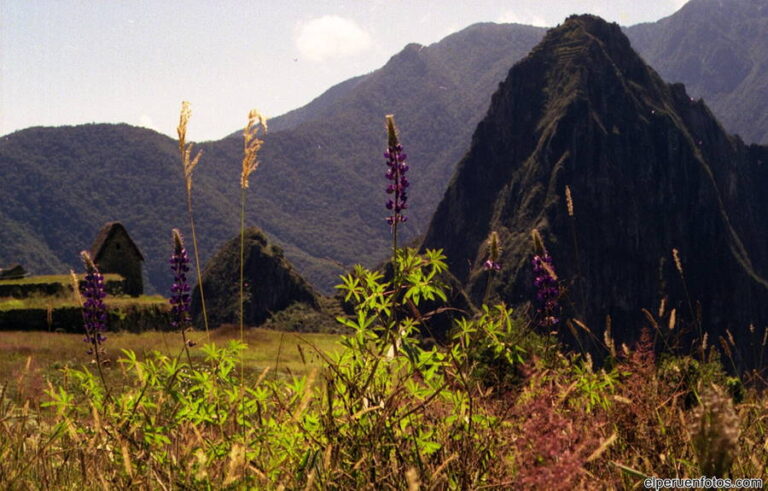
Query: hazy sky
x=134, y=61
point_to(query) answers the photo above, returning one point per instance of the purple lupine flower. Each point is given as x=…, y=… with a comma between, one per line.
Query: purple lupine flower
x=396, y=174
x=94, y=310
x=547, y=289
x=491, y=266
x=180, y=297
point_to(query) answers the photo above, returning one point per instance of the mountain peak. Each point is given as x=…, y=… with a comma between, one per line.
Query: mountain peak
x=649, y=169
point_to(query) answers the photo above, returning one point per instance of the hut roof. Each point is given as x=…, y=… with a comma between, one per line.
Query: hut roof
x=105, y=234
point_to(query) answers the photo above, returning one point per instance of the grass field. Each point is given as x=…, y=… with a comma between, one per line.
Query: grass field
x=45, y=302
x=29, y=360
x=54, y=278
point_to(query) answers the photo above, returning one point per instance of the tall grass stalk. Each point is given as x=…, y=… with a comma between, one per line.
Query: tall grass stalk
x=577, y=254
x=251, y=146
x=189, y=163
x=680, y=271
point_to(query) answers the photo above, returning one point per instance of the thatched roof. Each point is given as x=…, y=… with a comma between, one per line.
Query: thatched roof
x=13, y=272
x=105, y=235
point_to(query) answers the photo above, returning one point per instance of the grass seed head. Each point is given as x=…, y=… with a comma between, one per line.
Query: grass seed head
x=678, y=263
x=569, y=201
x=251, y=145
x=185, y=150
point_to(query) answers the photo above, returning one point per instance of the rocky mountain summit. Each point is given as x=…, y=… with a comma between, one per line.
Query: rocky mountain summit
x=649, y=169
x=271, y=285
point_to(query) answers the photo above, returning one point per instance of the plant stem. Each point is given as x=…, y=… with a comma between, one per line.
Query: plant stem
x=242, y=304
x=186, y=344
x=488, y=287
x=101, y=373
x=197, y=264
x=242, y=260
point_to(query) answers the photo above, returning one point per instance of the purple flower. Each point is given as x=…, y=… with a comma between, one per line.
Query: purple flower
x=491, y=266
x=180, y=297
x=94, y=310
x=547, y=289
x=396, y=175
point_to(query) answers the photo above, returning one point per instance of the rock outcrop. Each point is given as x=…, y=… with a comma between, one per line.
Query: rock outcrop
x=271, y=284
x=649, y=169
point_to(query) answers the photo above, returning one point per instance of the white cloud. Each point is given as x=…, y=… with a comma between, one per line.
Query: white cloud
x=331, y=36
x=512, y=17
x=679, y=3
x=146, y=122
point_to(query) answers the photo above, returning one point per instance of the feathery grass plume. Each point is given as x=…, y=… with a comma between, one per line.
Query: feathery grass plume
x=725, y=346
x=185, y=150
x=76, y=288
x=180, y=298
x=538, y=242
x=251, y=145
x=569, y=201
x=715, y=431
x=397, y=167
x=672, y=318
x=678, y=263
x=545, y=281
x=188, y=164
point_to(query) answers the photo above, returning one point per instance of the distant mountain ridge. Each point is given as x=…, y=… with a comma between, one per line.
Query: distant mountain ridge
x=316, y=190
x=312, y=193
x=650, y=170
x=719, y=50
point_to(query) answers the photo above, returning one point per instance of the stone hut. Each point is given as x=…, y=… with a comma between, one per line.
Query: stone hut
x=13, y=272
x=114, y=251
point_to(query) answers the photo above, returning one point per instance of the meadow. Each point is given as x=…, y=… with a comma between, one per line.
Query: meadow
x=498, y=404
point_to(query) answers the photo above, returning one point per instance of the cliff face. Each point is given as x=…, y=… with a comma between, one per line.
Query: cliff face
x=649, y=170
x=271, y=285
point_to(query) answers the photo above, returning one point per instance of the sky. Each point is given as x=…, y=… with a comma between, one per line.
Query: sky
x=67, y=62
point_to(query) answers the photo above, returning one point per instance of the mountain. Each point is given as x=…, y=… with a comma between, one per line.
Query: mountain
x=315, y=192
x=320, y=189
x=719, y=50
x=271, y=283
x=61, y=185
x=650, y=170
